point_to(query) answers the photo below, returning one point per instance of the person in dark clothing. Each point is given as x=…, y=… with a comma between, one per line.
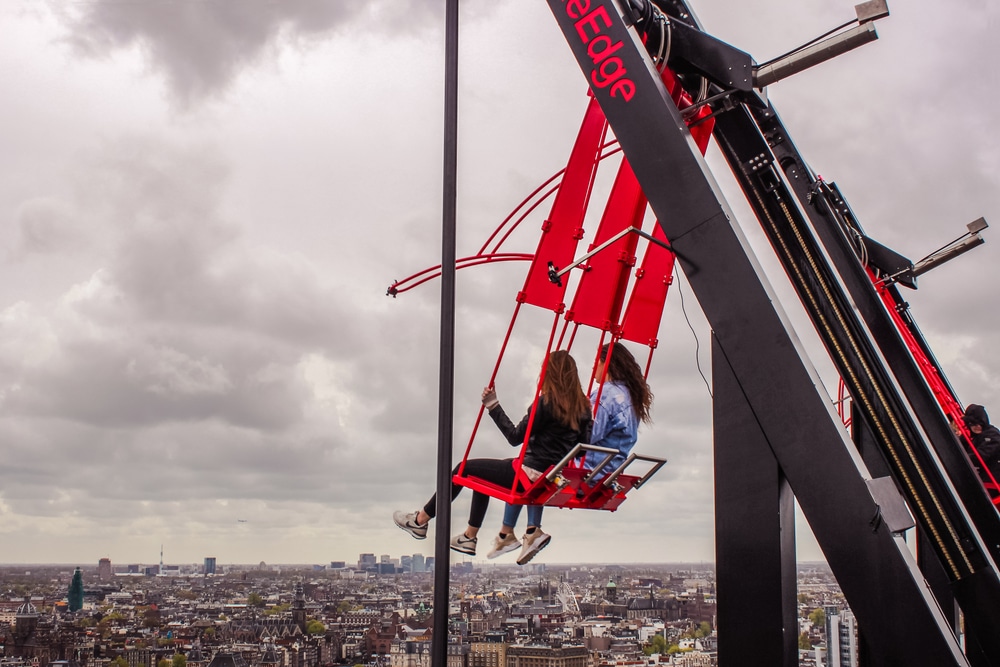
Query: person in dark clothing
x=985, y=437
x=562, y=419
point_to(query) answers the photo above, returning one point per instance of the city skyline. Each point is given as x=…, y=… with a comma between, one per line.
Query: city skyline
x=205, y=203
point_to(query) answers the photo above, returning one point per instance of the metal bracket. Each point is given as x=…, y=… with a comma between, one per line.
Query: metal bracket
x=556, y=274
x=872, y=10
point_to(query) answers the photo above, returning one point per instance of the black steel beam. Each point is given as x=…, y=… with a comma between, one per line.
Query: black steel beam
x=446, y=376
x=754, y=534
x=873, y=565
x=830, y=220
x=962, y=526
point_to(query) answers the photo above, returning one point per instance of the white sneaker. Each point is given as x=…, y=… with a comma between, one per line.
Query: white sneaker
x=463, y=544
x=408, y=522
x=532, y=544
x=504, y=545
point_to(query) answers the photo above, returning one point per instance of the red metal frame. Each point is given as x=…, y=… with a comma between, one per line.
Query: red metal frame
x=942, y=392
x=598, y=300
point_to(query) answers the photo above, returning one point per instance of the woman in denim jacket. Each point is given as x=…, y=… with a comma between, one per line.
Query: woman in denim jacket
x=625, y=400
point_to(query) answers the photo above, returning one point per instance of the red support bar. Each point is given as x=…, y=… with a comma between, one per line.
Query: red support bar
x=564, y=227
x=601, y=291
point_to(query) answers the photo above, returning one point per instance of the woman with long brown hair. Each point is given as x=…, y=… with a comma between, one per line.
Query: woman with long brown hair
x=625, y=400
x=562, y=419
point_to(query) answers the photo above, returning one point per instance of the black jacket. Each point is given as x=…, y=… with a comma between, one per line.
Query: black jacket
x=987, y=444
x=550, y=439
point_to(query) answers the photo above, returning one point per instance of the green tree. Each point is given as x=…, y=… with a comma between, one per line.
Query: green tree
x=703, y=630
x=118, y=662
x=151, y=617
x=255, y=600
x=162, y=662
x=804, y=643
x=657, y=644
x=179, y=660
x=277, y=609
x=315, y=627
x=818, y=617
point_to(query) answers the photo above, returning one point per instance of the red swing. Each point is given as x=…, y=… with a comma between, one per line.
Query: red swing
x=606, y=272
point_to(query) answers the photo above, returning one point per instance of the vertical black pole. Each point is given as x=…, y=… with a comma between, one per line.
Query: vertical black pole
x=442, y=533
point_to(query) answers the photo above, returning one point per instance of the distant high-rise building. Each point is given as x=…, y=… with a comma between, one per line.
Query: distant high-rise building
x=429, y=563
x=406, y=563
x=210, y=565
x=841, y=638
x=104, y=572
x=384, y=558
x=417, y=563
x=76, y=591
x=367, y=562
x=338, y=564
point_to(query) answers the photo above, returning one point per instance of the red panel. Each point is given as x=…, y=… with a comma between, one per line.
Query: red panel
x=564, y=228
x=645, y=305
x=599, y=297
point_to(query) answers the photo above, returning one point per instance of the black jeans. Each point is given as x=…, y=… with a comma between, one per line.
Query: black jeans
x=498, y=471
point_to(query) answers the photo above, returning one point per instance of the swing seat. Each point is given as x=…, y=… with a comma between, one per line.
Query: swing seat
x=569, y=485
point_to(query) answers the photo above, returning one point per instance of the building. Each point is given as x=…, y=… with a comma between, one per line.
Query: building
x=841, y=638
x=417, y=563
x=488, y=654
x=418, y=654
x=104, y=572
x=210, y=565
x=547, y=656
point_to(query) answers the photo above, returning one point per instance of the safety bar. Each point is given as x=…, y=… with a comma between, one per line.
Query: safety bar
x=610, y=479
x=610, y=454
x=574, y=453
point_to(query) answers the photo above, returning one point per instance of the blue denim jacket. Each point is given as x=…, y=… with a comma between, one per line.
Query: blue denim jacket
x=616, y=425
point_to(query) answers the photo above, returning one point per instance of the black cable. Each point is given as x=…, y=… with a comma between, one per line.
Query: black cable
x=697, y=343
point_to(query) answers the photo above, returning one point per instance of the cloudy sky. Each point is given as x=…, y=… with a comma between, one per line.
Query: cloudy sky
x=202, y=203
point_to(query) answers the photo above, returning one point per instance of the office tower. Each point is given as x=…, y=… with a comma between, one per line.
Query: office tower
x=210, y=565
x=367, y=562
x=76, y=591
x=417, y=563
x=841, y=638
x=104, y=569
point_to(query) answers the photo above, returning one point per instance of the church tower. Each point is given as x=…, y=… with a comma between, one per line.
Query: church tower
x=299, y=607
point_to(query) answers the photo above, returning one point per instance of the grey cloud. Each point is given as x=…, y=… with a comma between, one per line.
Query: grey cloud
x=111, y=384
x=45, y=227
x=200, y=48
